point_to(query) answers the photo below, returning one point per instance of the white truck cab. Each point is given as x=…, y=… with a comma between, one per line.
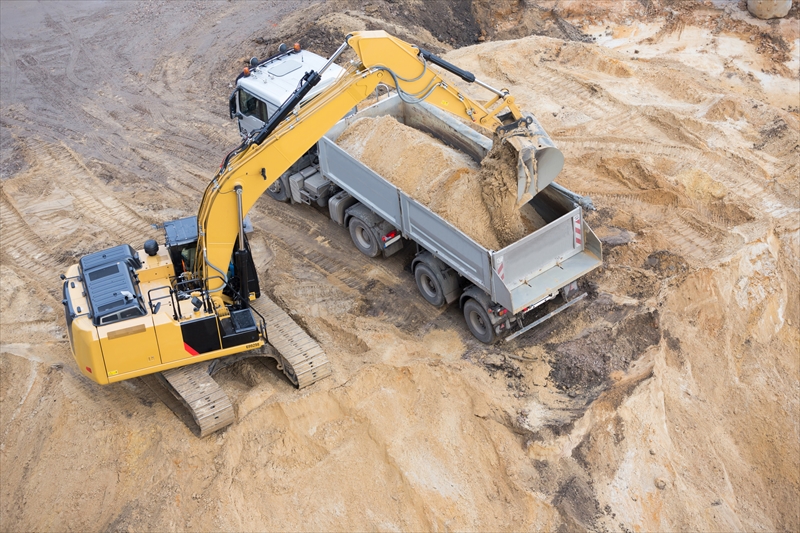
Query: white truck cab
x=265, y=85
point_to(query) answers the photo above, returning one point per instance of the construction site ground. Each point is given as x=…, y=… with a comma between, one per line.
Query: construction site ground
x=667, y=400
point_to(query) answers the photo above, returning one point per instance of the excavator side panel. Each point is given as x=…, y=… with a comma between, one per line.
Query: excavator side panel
x=170, y=339
x=129, y=345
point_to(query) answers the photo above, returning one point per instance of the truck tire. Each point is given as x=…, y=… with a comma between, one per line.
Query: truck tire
x=429, y=285
x=364, y=238
x=478, y=321
x=278, y=190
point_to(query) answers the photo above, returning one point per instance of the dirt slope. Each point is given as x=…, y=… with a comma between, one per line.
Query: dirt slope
x=667, y=401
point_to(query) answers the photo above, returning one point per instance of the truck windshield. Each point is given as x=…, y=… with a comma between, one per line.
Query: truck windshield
x=252, y=106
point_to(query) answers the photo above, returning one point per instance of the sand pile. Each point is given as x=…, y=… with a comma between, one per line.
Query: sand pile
x=478, y=200
x=668, y=400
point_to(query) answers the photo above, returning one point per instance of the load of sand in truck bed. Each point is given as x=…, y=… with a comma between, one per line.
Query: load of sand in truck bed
x=480, y=200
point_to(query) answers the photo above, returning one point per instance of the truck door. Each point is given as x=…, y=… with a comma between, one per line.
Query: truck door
x=253, y=112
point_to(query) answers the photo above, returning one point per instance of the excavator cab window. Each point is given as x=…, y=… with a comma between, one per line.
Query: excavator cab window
x=181, y=241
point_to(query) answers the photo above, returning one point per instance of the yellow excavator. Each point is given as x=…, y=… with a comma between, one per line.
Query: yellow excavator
x=168, y=309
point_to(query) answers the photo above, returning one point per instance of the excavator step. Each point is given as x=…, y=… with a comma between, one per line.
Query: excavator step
x=301, y=358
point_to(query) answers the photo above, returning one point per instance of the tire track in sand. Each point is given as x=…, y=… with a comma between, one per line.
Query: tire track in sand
x=21, y=248
x=92, y=198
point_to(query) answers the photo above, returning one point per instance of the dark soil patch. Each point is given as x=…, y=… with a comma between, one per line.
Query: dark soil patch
x=665, y=263
x=577, y=505
x=587, y=362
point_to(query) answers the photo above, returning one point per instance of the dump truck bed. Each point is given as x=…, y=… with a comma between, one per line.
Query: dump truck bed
x=517, y=276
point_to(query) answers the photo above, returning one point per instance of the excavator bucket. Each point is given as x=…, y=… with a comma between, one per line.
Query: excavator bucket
x=538, y=161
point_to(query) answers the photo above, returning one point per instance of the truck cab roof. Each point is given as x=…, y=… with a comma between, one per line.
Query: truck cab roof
x=276, y=79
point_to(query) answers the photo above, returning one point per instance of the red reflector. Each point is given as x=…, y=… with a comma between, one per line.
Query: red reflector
x=89, y=370
x=189, y=349
x=389, y=236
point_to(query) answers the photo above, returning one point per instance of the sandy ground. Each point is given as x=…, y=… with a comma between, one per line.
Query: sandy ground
x=668, y=400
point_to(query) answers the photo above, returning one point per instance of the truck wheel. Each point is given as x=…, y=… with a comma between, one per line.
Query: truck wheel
x=278, y=191
x=363, y=238
x=478, y=321
x=428, y=285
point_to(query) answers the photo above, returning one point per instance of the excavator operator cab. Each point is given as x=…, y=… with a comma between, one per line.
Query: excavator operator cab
x=181, y=242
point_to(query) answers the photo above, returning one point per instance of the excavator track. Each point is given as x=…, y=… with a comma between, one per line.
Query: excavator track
x=199, y=395
x=193, y=395
x=299, y=356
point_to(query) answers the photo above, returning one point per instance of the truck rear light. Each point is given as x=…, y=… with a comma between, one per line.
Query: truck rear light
x=390, y=238
x=502, y=312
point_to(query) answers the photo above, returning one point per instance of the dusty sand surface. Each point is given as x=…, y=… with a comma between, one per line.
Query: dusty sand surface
x=668, y=400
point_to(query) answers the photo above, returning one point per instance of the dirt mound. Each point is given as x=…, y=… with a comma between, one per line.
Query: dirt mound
x=667, y=400
x=480, y=201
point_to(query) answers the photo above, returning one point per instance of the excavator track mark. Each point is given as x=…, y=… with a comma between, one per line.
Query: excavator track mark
x=301, y=358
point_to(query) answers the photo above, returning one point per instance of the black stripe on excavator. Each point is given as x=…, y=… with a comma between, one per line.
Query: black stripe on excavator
x=436, y=60
x=201, y=335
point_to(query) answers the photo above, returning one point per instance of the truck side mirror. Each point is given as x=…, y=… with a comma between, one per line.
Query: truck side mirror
x=232, y=103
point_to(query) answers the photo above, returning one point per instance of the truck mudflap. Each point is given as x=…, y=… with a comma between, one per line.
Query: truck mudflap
x=545, y=317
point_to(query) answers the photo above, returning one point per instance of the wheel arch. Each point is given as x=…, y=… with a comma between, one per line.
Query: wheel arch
x=477, y=294
x=447, y=277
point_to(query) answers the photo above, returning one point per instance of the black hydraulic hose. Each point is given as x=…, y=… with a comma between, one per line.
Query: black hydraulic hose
x=309, y=80
x=469, y=77
x=231, y=154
